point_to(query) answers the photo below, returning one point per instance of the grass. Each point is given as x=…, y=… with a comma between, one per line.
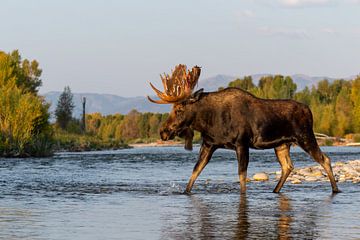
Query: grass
x=64, y=141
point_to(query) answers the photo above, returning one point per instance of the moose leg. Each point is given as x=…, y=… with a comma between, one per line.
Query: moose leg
x=206, y=152
x=283, y=155
x=312, y=148
x=242, y=154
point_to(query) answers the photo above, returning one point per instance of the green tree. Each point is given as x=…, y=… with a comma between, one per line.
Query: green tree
x=245, y=83
x=303, y=96
x=355, y=99
x=24, y=117
x=277, y=87
x=343, y=108
x=64, y=108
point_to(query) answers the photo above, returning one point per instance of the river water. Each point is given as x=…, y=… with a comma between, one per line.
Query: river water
x=137, y=194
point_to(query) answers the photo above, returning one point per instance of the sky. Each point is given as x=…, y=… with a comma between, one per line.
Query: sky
x=117, y=47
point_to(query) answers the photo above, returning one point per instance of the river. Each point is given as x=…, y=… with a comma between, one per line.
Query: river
x=138, y=194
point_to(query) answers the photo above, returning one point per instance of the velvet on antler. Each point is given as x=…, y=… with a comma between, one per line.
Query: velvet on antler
x=177, y=87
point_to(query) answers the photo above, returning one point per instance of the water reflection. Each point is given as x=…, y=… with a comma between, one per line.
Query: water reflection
x=243, y=225
x=247, y=217
x=285, y=218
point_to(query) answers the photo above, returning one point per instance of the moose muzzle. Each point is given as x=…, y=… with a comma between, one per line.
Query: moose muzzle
x=166, y=134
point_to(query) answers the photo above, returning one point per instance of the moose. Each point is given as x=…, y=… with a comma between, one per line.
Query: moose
x=235, y=119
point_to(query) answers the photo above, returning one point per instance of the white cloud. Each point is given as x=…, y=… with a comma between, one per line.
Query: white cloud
x=304, y=3
x=245, y=13
x=295, y=33
x=329, y=31
x=248, y=13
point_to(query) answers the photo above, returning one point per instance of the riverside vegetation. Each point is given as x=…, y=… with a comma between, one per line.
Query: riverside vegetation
x=25, y=129
x=24, y=119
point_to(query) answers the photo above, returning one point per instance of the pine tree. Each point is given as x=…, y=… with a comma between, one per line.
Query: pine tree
x=64, y=108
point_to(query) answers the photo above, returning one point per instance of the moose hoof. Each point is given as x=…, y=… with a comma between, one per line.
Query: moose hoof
x=336, y=191
x=187, y=192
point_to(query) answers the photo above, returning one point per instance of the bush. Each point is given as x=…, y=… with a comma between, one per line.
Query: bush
x=24, y=117
x=65, y=141
x=356, y=137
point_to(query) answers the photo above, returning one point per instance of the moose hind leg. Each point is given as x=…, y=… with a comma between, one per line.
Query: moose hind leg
x=283, y=155
x=206, y=152
x=242, y=154
x=312, y=148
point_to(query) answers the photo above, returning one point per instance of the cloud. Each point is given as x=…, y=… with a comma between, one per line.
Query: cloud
x=248, y=13
x=295, y=33
x=245, y=14
x=329, y=31
x=304, y=3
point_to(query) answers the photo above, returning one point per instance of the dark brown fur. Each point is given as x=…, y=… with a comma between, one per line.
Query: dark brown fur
x=235, y=119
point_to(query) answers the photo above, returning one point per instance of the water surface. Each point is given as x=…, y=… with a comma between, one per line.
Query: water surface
x=137, y=194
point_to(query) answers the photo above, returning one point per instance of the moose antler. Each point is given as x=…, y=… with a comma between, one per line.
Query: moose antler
x=178, y=86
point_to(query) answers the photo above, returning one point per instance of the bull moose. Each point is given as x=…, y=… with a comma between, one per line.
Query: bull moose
x=235, y=119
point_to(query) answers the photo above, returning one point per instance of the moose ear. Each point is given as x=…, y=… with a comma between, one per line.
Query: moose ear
x=196, y=96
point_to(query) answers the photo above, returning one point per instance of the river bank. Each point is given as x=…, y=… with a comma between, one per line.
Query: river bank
x=158, y=143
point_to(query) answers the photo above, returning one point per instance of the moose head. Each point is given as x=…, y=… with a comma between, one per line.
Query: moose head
x=178, y=90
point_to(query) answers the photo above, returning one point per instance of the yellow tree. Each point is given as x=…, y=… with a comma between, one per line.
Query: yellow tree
x=24, y=126
x=355, y=99
x=343, y=112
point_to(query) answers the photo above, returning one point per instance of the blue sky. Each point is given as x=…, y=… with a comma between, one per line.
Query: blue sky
x=118, y=46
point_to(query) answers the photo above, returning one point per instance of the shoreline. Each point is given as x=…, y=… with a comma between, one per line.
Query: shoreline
x=158, y=144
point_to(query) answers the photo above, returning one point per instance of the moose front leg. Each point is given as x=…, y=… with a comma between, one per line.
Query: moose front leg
x=242, y=154
x=205, y=154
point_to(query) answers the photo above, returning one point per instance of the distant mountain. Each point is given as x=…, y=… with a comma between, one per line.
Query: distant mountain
x=110, y=104
x=213, y=83
x=107, y=103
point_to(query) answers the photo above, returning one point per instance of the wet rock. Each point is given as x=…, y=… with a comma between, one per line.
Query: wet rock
x=311, y=179
x=339, y=164
x=343, y=171
x=296, y=181
x=261, y=176
x=304, y=171
x=315, y=173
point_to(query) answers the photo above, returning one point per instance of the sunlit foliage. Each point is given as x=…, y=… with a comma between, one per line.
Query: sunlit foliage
x=24, y=125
